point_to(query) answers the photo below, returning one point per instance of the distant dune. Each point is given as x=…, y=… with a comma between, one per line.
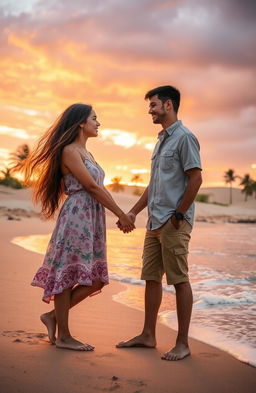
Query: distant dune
x=216, y=194
x=221, y=195
x=15, y=204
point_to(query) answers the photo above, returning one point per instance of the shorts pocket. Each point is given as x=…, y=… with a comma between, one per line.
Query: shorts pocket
x=172, y=227
x=180, y=251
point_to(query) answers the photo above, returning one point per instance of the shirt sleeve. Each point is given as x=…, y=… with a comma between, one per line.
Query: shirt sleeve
x=189, y=151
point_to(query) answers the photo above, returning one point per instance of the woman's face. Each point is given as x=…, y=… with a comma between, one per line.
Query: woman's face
x=90, y=127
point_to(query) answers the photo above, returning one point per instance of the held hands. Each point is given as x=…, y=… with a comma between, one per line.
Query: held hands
x=126, y=222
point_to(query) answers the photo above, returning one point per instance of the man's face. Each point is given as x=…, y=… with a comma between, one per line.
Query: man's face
x=157, y=110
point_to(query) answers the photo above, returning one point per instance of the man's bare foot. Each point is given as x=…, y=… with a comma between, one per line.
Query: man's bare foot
x=71, y=343
x=180, y=351
x=138, y=341
x=49, y=321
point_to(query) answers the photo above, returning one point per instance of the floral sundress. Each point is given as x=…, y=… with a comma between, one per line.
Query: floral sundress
x=76, y=253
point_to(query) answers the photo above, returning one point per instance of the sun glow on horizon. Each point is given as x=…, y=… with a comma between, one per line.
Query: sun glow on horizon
x=119, y=137
x=143, y=170
x=48, y=63
x=127, y=139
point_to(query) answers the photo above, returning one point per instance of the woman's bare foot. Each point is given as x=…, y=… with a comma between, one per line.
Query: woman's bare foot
x=71, y=343
x=49, y=321
x=180, y=351
x=138, y=341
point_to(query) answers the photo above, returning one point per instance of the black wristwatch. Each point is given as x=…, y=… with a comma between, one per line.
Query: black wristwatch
x=178, y=215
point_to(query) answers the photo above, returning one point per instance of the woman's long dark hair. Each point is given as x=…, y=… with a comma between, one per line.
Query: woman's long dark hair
x=44, y=163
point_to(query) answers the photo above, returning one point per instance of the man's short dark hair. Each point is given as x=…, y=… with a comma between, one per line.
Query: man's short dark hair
x=165, y=93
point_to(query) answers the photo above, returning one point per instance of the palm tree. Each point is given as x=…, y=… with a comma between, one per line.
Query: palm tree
x=254, y=188
x=247, y=182
x=19, y=157
x=116, y=186
x=136, y=178
x=7, y=173
x=229, y=178
x=8, y=180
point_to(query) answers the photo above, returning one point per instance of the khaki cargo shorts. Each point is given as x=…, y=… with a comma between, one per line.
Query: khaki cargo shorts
x=166, y=251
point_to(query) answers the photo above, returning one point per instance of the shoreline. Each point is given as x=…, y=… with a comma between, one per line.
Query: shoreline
x=103, y=322
x=194, y=333
x=135, y=289
x=240, y=351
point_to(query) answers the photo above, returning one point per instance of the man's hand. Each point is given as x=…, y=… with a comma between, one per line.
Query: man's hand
x=176, y=223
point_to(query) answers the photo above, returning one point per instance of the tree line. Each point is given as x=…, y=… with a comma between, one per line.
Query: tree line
x=247, y=182
x=117, y=186
x=19, y=157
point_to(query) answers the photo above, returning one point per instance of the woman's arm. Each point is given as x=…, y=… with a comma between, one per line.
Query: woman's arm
x=72, y=160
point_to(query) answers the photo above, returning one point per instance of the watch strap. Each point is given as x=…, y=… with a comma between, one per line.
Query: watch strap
x=179, y=216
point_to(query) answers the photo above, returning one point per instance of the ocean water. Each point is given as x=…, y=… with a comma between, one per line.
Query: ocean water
x=222, y=263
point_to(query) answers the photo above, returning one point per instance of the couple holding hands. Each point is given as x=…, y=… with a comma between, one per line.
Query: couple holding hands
x=75, y=265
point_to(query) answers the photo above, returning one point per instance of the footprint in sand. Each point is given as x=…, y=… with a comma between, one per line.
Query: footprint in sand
x=126, y=385
x=21, y=336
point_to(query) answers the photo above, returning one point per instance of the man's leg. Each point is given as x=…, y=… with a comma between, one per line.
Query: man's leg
x=153, y=298
x=175, y=250
x=184, y=302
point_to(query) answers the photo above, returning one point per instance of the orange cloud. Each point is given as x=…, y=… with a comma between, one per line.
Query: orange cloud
x=55, y=53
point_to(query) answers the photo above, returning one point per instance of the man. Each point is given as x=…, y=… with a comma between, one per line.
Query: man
x=174, y=182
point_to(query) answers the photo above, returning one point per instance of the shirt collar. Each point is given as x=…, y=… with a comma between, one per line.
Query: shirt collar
x=169, y=130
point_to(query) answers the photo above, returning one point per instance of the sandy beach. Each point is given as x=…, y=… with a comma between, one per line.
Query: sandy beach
x=29, y=363
x=15, y=204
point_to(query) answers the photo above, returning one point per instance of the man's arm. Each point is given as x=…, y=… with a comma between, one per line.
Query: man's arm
x=193, y=185
x=137, y=208
x=141, y=204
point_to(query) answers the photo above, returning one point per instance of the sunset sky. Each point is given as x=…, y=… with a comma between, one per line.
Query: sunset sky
x=109, y=53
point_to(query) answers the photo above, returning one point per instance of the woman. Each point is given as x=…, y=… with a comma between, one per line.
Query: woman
x=75, y=264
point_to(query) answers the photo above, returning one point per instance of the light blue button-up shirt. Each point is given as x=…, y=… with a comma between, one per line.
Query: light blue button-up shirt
x=176, y=151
